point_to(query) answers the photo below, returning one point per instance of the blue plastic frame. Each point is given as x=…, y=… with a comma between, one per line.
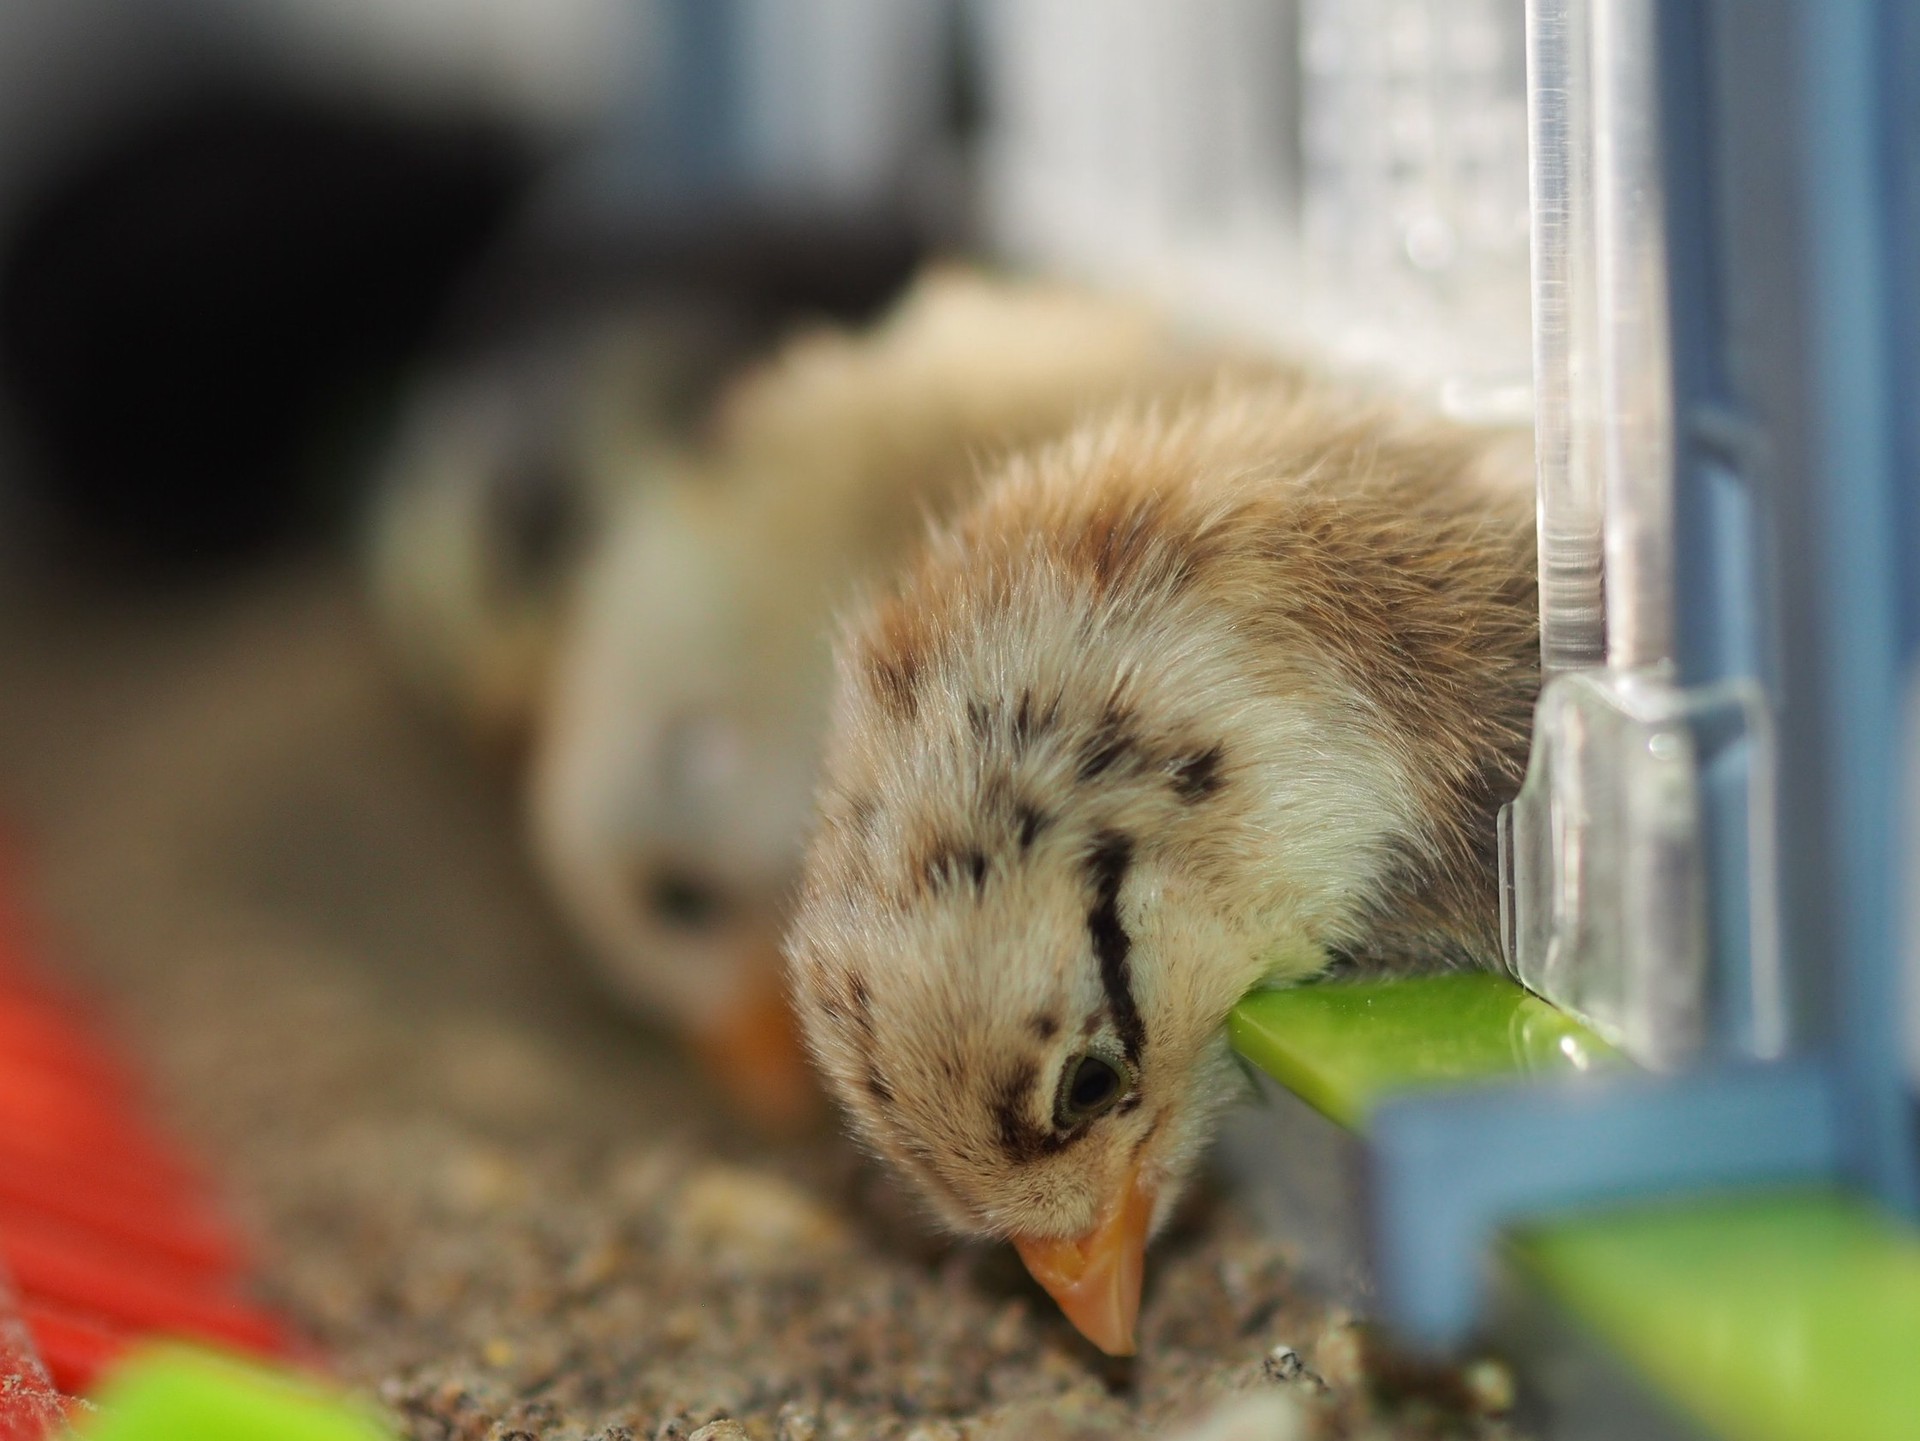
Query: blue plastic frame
x=1790, y=134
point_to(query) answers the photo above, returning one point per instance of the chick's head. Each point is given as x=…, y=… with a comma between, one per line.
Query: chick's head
x=1047, y=1078
x=1061, y=834
x=1093, y=772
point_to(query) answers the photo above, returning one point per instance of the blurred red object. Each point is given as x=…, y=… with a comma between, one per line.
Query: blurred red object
x=108, y=1235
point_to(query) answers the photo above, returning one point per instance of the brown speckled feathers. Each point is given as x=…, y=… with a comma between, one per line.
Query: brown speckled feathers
x=1203, y=695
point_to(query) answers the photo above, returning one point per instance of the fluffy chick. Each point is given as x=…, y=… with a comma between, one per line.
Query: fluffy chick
x=1194, y=701
x=673, y=782
x=504, y=471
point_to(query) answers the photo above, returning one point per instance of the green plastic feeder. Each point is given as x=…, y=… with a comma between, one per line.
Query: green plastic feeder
x=173, y=1393
x=1342, y=1046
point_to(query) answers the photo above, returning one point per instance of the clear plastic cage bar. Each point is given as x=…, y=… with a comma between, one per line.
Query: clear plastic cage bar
x=1636, y=860
x=1603, y=422
x=1566, y=331
x=1632, y=347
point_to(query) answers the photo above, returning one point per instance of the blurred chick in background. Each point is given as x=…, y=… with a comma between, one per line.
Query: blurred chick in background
x=505, y=473
x=674, y=773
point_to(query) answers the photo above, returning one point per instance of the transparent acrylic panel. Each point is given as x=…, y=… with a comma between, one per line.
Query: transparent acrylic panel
x=1647, y=808
x=1567, y=416
x=1602, y=374
x=1636, y=385
x=1607, y=857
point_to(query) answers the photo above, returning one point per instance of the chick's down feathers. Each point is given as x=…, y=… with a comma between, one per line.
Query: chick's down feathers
x=1196, y=698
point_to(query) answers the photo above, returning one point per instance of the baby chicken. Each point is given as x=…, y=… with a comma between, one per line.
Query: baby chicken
x=504, y=470
x=674, y=776
x=1196, y=700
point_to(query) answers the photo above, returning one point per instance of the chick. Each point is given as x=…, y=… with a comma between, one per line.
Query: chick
x=1196, y=700
x=674, y=777
x=504, y=470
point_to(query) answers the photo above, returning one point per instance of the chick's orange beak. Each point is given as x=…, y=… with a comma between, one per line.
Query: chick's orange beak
x=1096, y=1277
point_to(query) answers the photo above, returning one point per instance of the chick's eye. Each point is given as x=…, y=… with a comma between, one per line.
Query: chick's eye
x=1089, y=1086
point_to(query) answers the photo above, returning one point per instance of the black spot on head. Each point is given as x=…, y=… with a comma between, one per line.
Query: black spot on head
x=1107, y=867
x=1044, y=1026
x=1031, y=720
x=1197, y=776
x=877, y=1086
x=1030, y=820
x=949, y=864
x=979, y=719
x=1110, y=743
x=861, y=1001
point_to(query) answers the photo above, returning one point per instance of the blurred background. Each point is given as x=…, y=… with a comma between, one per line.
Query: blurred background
x=413, y=613
x=332, y=333
x=232, y=232
x=438, y=321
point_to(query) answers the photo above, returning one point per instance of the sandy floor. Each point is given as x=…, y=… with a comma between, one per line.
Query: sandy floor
x=505, y=1210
